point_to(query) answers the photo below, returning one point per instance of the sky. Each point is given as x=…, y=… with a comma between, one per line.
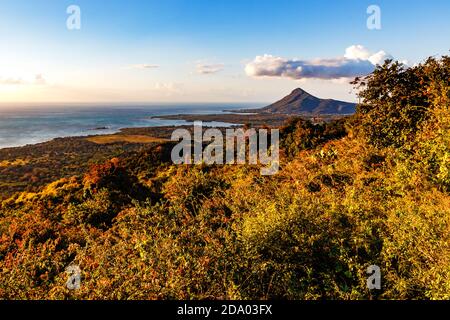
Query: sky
x=150, y=51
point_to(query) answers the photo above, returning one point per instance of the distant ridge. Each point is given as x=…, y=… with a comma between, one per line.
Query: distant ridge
x=300, y=102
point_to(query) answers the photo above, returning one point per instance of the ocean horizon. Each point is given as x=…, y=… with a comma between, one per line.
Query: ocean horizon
x=30, y=124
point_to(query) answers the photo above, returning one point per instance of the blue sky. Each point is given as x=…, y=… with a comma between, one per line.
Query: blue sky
x=199, y=50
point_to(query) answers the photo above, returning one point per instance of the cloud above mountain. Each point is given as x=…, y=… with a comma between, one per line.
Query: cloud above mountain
x=357, y=61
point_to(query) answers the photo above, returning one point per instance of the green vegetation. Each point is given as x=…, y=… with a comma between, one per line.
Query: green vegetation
x=373, y=189
x=32, y=167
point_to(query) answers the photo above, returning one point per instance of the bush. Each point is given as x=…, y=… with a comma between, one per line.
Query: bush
x=396, y=100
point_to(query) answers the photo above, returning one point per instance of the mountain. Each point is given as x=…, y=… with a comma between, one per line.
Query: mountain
x=299, y=101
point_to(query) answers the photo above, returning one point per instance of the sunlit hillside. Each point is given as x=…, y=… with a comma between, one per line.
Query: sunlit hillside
x=371, y=189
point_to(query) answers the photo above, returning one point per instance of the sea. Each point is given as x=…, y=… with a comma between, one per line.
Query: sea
x=21, y=125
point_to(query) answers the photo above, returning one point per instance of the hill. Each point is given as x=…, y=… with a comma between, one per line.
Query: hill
x=372, y=189
x=300, y=102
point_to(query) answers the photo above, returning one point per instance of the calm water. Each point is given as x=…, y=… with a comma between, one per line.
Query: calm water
x=22, y=125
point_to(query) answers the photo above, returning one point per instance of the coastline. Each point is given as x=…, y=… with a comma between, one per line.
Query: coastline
x=32, y=166
x=163, y=132
x=25, y=125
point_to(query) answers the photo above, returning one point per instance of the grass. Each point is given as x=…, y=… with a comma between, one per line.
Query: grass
x=105, y=139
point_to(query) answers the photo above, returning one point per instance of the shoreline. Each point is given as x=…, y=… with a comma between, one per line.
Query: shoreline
x=29, y=167
x=120, y=131
x=222, y=120
x=31, y=126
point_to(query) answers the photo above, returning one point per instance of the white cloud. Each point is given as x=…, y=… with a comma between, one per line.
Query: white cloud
x=357, y=52
x=39, y=79
x=168, y=88
x=143, y=66
x=357, y=61
x=379, y=57
x=11, y=81
x=205, y=68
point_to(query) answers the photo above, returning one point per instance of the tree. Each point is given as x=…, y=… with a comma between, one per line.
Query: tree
x=396, y=99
